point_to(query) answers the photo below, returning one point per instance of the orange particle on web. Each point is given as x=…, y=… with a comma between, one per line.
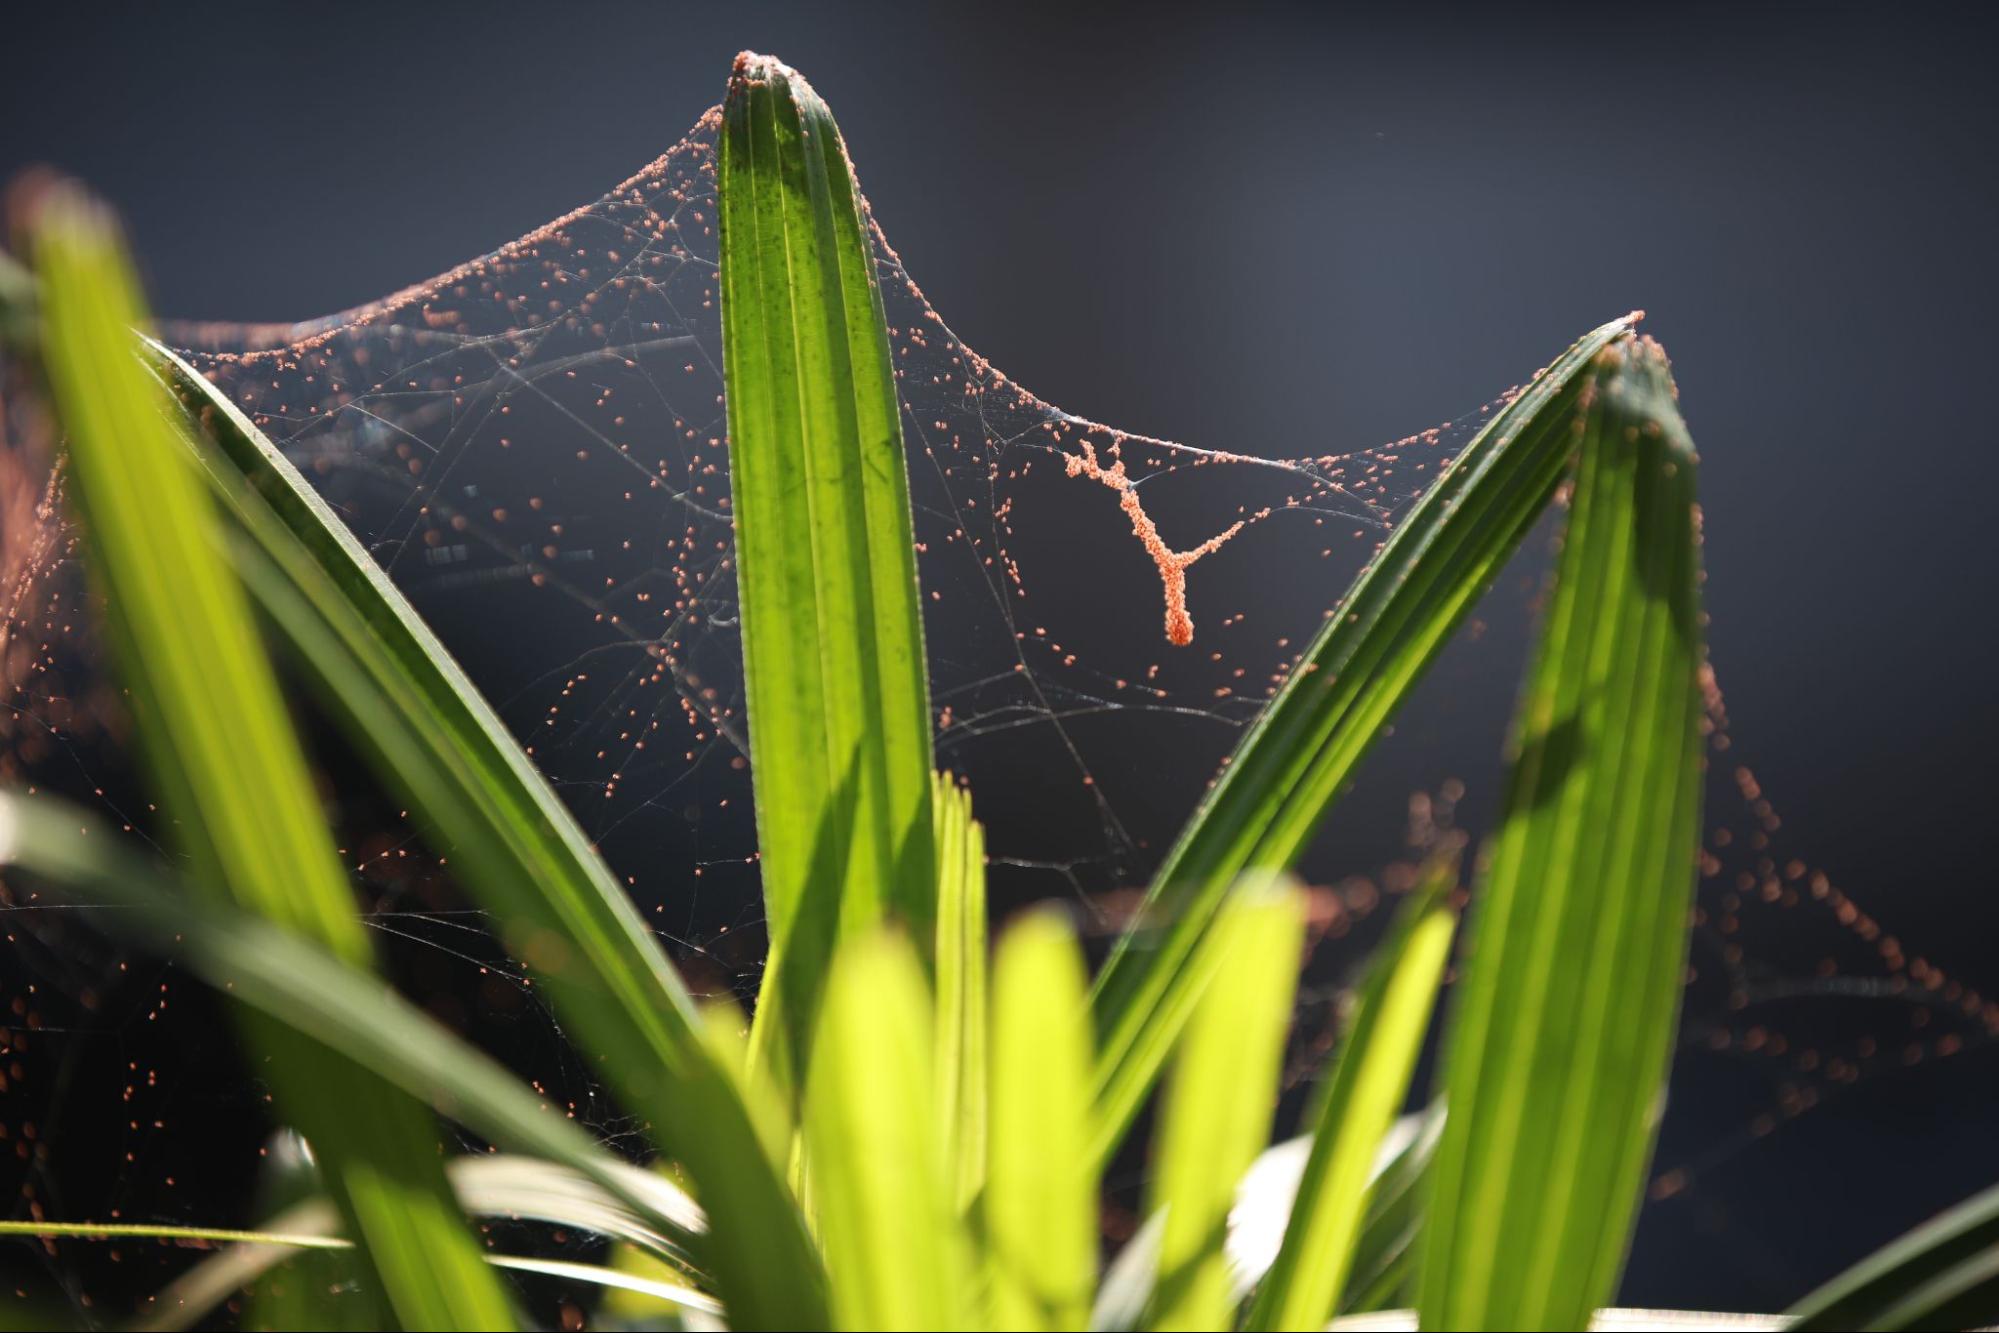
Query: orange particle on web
x=1172, y=564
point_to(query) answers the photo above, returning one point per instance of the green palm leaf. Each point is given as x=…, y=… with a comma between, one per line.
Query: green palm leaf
x=832, y=632
x=1561, y=1030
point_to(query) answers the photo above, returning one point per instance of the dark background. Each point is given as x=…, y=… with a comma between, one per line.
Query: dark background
x=1225, y=227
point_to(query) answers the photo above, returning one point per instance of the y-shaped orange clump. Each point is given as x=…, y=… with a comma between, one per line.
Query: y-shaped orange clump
x=1172, y=564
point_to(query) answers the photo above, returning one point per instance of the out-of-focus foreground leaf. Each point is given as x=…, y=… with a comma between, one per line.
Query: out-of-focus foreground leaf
x=881, y=1181
x=961, y=985
x=1223, y=1095
x=1040, y=1197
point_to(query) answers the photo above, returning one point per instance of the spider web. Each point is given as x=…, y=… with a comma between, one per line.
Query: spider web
x=533, y=446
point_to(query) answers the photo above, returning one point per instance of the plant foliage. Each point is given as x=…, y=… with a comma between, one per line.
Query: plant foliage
x=906, y=1140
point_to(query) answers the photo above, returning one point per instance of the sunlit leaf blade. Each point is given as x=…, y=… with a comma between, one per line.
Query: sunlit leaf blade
x=1294, y=761
x=1942, y=1274
x=1223, y=1093
x=961, y=983
x=832, y=632
x=229, y=772
x=298, y=985
x=1370, y=1079
x=881, y=1184
x=1560, y=1031
x=439, y=746
x=1040, y=1201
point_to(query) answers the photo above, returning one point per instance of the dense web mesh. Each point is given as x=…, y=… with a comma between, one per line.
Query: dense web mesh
x=533, y=446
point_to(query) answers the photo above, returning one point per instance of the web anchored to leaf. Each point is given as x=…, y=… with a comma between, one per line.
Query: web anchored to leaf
x=533, y=446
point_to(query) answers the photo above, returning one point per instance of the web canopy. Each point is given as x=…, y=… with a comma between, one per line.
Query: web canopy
x=534, y=447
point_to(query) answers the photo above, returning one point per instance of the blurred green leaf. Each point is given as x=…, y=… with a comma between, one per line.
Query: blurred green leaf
x=1223, y=1094
x=1563, y=1022
x=219, y=747
x=961, y=984
x=1040, y=1203
x=881, y=1183
x=1369, y=1081
x=1294, y=761
x=837, y=686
